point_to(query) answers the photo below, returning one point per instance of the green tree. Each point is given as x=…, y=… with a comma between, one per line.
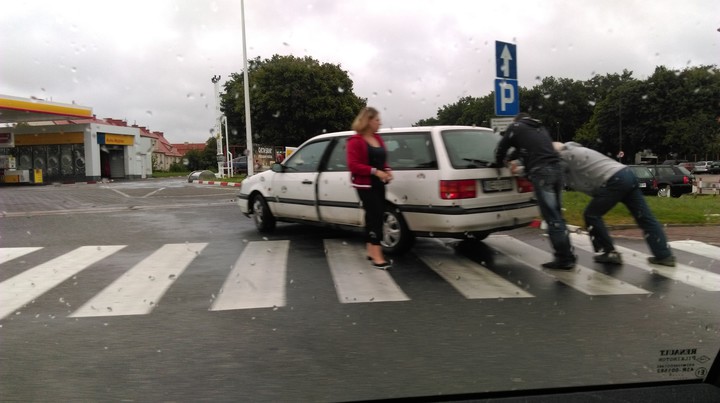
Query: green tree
x=291, y=100
x=205, y=159
x=468, y=111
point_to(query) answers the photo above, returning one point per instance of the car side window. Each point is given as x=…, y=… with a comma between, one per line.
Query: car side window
x=410, y=150
x=307, y=158
x=337, y=162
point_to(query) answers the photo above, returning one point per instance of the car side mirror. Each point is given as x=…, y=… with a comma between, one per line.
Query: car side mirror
x=277, y=167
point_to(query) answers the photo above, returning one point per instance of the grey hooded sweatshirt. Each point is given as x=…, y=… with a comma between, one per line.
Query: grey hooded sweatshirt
x=586, y=170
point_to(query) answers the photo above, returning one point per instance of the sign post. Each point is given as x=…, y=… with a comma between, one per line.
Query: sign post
x=507, y=97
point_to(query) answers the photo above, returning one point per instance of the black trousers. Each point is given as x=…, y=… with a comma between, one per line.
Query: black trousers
x=373, y=201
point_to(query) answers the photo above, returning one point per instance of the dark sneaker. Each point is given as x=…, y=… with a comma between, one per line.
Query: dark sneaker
x=666, y=261
x=608, y=258
x=555, y=265
x=382, y=266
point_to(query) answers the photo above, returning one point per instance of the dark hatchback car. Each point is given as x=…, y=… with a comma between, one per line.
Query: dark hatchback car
x=646, y=179
x=714, y=168
x=672, y=180
x=239, y=164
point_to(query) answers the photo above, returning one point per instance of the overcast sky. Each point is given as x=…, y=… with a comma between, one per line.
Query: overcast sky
x=150, y=62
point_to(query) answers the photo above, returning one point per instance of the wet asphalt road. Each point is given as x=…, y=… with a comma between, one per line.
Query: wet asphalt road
x=317, y=346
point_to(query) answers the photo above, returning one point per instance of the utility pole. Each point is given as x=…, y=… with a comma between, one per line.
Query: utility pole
x=248, y=130
x=620, y=151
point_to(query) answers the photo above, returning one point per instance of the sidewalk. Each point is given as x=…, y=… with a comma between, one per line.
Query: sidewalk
x=709, y=234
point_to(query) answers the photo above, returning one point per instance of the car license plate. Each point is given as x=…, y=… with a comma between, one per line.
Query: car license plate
x=496, y=185
x=642, y=185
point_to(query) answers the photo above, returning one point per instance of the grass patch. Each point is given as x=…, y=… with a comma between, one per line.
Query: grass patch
x=235, y=179
x=687, y=209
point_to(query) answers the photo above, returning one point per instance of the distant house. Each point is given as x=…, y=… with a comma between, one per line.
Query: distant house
x=183, y=148
x=164, y=154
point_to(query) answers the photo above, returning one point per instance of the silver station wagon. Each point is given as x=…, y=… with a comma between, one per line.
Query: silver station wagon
x=442, y=187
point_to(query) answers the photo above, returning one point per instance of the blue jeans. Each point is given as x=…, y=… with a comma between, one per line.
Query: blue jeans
x=623, y=187
x=548, y=183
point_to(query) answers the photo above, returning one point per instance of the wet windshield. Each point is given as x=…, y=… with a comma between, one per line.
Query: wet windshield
x=185, y=214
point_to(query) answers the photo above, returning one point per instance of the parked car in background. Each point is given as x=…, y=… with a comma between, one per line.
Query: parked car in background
x=239, y=164
x=672, y=180
x=442, y=186
x=714, y=168
x=683, y=163
x=701, y=167
x=646, y=179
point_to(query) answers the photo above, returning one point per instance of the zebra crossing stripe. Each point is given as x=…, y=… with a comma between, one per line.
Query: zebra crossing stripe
x=470, y=279
x=581, y=278
x=8, y=254
x=355, y=280
x=138, y=291
x=683, y=273
x=698, y=248
x=21, y=289
x=257, y=279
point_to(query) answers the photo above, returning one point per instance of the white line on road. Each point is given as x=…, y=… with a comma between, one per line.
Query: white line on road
x=698, y=248
x=138, y=291
x=8, y=254
x=355, y=280
x=580, y=278
x=683, y=273
x=17, y=291
x=258, y=278
x=469, y=278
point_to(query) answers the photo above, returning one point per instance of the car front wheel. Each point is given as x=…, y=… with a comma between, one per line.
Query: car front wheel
x=397, y=238
x=262, y=216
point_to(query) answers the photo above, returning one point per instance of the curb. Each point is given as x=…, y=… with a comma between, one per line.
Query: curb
x=218, y=183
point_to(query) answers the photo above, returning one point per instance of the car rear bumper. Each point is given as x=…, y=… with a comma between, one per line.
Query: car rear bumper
x=455, y=221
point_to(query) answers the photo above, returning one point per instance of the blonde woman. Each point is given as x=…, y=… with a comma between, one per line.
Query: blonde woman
x=369, y=173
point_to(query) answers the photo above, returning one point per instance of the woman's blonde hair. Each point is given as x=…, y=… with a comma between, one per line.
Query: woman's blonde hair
x=361, y=124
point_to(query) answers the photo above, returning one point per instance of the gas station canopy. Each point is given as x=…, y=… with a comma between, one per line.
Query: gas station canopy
x=16, y=110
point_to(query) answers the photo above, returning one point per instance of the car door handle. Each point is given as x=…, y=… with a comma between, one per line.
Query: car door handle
x=307, y=182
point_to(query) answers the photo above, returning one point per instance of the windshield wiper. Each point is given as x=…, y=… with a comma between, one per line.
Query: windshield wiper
x=484, y=162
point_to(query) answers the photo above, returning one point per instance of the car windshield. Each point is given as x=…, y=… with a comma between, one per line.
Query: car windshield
x=186, y=215
x=685, y=171
x=470, y=148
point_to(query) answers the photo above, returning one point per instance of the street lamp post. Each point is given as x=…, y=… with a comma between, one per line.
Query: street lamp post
x=558, y=131
x=218, y=130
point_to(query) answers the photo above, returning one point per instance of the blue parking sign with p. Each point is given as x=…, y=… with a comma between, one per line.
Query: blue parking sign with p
x=507, y=97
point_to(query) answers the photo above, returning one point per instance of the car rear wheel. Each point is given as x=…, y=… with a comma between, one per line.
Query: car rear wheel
x=397, y=238
x=262, y=216
x=664, y=191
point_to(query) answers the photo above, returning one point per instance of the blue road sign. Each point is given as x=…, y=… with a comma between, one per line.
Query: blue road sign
x=505, y=60
x=507, y=97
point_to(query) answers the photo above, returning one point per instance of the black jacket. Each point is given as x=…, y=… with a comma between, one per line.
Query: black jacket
x=532, y=142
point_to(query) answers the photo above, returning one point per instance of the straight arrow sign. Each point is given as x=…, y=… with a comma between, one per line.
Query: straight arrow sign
x=506, y=60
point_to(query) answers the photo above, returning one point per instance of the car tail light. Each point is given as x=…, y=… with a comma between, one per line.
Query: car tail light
x=686, y=180
x=654, y=183
x=524, y=185
x=460, y=189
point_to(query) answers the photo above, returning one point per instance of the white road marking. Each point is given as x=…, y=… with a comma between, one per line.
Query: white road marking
x=19, y=290
x=580, y=278
x=683, y=273
x=140, y=289
x=472, y=280
x=698, y=248
x=355, y=280
x=258, y=278
x=8, y=254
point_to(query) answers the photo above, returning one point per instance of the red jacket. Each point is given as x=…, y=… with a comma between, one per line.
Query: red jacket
x=358, y=160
